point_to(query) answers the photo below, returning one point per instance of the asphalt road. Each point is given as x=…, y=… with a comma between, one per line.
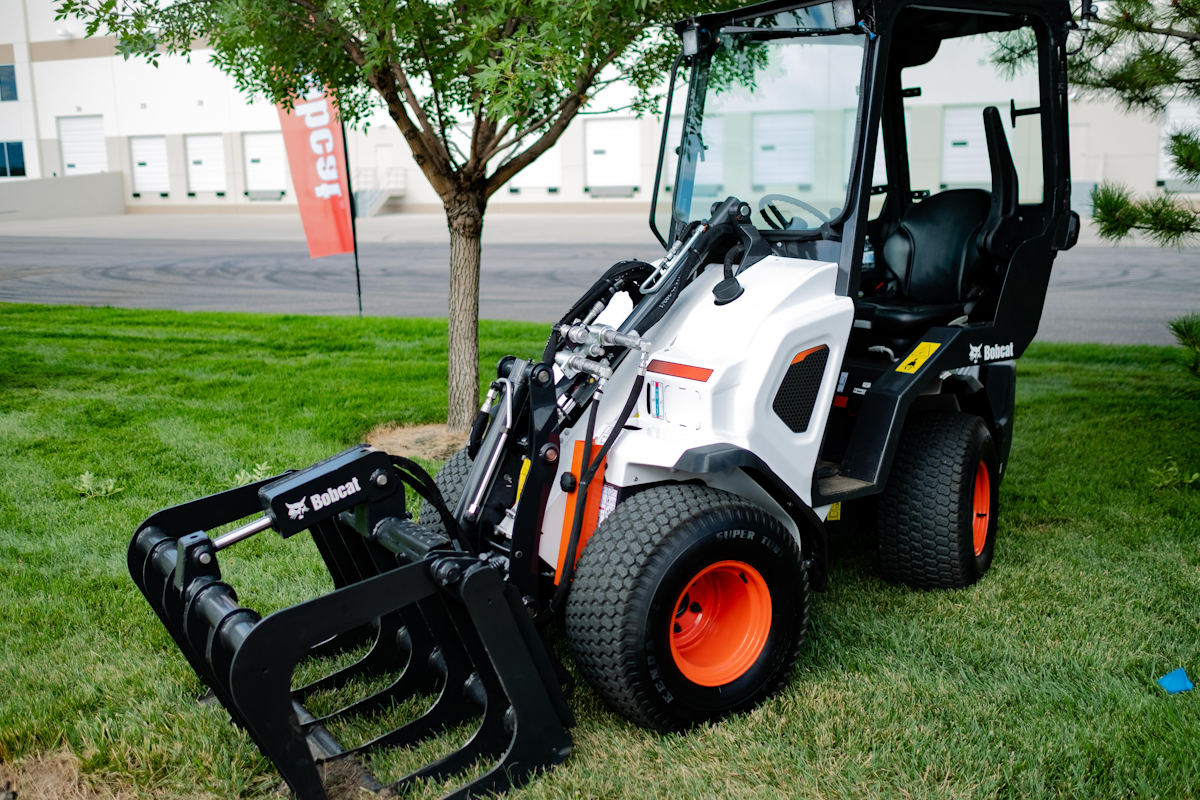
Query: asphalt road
x=1097, y=293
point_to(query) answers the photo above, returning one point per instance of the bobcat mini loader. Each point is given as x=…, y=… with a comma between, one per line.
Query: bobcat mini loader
x=829, y=336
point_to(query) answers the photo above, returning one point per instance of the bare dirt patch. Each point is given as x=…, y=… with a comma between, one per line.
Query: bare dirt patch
x=52, y=776
x=433, y=442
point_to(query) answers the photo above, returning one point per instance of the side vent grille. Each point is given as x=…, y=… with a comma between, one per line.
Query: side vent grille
x=798, y=392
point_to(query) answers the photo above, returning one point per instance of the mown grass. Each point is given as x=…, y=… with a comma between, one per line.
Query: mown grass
x=1037, y=682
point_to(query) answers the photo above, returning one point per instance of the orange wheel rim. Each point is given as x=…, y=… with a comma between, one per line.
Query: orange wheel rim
x=722, y=620
x=982, y=507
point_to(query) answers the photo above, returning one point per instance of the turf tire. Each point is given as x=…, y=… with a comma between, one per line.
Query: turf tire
x=451, y=479
x=926, y=514
x=620, y=611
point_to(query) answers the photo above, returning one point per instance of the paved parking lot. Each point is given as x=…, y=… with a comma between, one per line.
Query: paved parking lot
x=534, y=266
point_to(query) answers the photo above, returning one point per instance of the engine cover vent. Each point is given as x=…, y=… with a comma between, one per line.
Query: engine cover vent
x=798, y=392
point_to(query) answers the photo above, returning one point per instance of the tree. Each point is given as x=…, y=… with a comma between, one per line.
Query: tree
x=478, y=88
x=1143, y=54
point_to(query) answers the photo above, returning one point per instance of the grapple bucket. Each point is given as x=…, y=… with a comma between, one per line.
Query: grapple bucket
x=439, y=619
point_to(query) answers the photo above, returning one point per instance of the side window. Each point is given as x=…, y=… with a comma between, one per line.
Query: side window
x=8, y=83
x=947, y=147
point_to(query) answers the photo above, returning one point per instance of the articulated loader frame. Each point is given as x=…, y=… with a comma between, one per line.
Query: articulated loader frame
x=451, y=607
x=448, y=615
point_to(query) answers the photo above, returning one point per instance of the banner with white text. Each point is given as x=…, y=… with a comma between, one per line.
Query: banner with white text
x=316, y=153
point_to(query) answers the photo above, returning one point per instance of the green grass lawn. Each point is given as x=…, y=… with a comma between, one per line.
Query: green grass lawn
x=1037, y=682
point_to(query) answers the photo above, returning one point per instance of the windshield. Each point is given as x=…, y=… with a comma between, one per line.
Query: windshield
x=771, y=118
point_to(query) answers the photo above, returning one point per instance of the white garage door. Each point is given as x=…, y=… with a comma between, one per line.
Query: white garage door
x=783, y=149
x=206, y=162
x=82, y=142
x=614, y=152
x=150, y=172
x=544, y=173
x=265, y=162
x=964, y=147
x=1179, y=116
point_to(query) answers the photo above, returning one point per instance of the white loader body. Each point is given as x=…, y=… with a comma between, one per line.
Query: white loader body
x=789, y=307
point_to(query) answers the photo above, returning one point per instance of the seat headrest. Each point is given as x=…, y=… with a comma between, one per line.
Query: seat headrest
x=996, y=236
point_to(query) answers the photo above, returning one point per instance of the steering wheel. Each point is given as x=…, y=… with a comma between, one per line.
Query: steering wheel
x=769, y=200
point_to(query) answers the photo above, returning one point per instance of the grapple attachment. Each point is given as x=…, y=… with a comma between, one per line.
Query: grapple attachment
x=440, y=619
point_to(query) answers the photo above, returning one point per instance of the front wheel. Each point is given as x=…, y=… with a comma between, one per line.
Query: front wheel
x=688, y=604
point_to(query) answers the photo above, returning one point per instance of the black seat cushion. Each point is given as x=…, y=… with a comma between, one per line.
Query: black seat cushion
x=899, y=318
x=933, y=254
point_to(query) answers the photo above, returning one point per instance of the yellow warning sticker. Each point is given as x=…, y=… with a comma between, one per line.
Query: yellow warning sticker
x=525, y=465
x=920, y=354
x=835, y=513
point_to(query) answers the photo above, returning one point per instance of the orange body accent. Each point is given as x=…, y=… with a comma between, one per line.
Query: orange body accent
x=803, y=354
x=679, y=370
x=721, y=623
x=591, y=514
x=981, y=507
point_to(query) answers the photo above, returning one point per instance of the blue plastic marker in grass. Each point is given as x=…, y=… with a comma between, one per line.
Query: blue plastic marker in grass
x=1175, y=682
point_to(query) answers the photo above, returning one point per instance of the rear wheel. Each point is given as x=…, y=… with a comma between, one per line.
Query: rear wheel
x=937, y=516
x=451, y=479
x=688, y=604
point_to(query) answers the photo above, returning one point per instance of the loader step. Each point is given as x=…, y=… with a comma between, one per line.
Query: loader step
x=837, y=488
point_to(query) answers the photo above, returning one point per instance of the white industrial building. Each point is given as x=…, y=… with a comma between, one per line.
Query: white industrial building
x=182, y=138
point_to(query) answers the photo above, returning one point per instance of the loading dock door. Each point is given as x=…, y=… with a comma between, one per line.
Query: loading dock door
x=964, y=148
x=82, y=143
x=265, y=162
x=544, y=173
x=783, y=149
x=206, y=162
x=1180, y=116
x=150, y=173
x=614, y=156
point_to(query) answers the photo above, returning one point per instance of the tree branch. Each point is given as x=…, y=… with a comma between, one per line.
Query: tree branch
x=437, y=103
x=1128, y=25
x=569, y=106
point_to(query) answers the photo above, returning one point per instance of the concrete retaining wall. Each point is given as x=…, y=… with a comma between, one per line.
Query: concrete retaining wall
x=74, y=196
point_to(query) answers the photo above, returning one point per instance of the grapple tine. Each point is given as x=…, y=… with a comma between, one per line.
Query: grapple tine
x=454, y=704
x=436, y=616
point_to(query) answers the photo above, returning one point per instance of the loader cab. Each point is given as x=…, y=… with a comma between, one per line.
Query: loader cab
x=884, y=137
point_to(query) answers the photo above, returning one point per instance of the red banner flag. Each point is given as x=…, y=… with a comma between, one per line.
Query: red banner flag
x=316, y=153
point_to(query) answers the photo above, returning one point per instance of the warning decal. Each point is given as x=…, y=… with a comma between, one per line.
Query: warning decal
x=920, y=354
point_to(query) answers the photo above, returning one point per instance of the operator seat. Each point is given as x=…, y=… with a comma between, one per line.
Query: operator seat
x=942, y=252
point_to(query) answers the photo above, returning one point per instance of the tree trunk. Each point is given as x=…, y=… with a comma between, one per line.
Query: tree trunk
x=465, y=220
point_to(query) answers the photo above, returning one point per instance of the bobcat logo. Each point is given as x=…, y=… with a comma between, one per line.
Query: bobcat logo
x=297, y=510
x=976, y=353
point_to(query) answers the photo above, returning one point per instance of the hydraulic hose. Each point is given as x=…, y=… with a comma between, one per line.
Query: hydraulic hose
x=627, y=274
x=564, y=584
x=733, y=255
x=411, y=473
